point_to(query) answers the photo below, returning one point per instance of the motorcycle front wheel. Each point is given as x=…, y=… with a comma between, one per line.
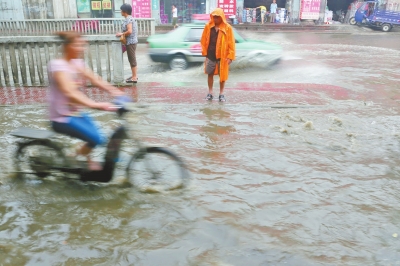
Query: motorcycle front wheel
x=155, y=169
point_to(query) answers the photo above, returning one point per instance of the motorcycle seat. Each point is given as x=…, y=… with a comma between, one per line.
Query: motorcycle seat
x=30, y=133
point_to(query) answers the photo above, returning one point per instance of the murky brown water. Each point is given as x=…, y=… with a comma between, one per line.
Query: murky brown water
x=282, y=174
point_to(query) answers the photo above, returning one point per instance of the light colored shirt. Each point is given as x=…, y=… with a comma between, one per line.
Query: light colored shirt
x=59, y=105
x=274, y=7
x=175, y=12
x=263, y=8
x=132, y=38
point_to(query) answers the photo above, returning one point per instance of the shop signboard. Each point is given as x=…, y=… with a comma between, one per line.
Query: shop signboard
x=107, y=5
x=228, y=6
x=141, y=8
x=310, y=9
x=96, y=5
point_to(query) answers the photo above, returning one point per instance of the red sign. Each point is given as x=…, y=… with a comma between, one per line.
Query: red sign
x=201, y=17
x=228, y=6
x=310, y=9
x=141, y=8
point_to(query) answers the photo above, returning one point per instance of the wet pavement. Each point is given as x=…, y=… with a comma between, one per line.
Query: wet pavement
x=299, y=167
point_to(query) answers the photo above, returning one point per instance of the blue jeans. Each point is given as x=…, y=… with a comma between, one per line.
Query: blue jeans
x=80, y=127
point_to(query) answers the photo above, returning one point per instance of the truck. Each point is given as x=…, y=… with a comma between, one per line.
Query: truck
x=376, y=15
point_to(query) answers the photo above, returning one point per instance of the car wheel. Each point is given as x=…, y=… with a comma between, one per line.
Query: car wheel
x=386, y=27
x=277, y=61
x=353, y=21
x=178, y=62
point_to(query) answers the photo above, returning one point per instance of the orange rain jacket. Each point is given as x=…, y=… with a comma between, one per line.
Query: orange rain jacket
x=225, y=43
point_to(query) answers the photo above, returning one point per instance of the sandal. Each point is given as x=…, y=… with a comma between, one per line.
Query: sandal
x=130, y=80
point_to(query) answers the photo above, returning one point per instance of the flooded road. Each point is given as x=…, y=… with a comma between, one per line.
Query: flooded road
x=299, y=167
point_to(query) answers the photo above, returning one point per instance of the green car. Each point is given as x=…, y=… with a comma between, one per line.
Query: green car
x=182, y=46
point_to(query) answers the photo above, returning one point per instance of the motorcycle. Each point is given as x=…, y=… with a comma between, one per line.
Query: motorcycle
x=339, y=15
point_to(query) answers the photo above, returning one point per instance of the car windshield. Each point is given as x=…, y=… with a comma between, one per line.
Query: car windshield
x=178, y=31
x=363, y=6
x=194, y=35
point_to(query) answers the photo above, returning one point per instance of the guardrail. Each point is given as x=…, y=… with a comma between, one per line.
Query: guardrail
x=24, y=59
x=46, y=27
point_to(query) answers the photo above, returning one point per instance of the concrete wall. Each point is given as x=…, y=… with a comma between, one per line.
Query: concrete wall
x=11, y=10
x=34, y=9
x=64, y=9
x=37, y=9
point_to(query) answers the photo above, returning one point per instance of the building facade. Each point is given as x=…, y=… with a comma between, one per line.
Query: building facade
x=37, y=9
x=160, y=10
x=59, y=9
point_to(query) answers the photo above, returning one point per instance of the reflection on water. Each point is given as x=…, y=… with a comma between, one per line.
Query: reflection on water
x=216, y=127
x=267, y=188
x=259, y=194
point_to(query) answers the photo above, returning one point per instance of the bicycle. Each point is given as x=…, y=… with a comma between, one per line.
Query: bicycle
x=258, y=18
x=41, y=156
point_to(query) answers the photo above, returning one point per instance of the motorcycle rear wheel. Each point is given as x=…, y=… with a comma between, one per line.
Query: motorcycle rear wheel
x=38, y=158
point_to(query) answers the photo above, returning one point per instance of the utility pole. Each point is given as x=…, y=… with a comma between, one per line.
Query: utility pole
x=322, y=12
x=295, y=12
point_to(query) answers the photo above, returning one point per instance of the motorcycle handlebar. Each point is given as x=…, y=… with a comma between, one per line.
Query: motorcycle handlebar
x=121, y=104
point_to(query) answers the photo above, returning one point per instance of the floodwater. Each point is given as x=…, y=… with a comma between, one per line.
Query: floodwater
x=299, y=167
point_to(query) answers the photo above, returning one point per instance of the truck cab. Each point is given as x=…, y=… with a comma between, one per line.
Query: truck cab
x=365, y=11
x=375, y=15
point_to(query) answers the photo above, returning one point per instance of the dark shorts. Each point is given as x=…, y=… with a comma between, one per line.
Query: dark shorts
x=131, y=51
x=80, y=127
x=209, y=66
x=174, y=21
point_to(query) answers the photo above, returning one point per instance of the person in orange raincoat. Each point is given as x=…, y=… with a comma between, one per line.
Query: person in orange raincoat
x=218, y=46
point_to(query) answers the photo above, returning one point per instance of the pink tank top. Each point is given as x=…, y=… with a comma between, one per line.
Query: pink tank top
x=59, y=105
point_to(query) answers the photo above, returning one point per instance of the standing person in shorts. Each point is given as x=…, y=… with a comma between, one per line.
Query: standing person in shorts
x=274, y=8
x=263, y=13
x=218, y=46
x=129, y=28
x=174, y=16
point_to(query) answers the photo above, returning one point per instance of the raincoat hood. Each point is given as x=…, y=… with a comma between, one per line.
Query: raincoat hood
x=218, y=12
